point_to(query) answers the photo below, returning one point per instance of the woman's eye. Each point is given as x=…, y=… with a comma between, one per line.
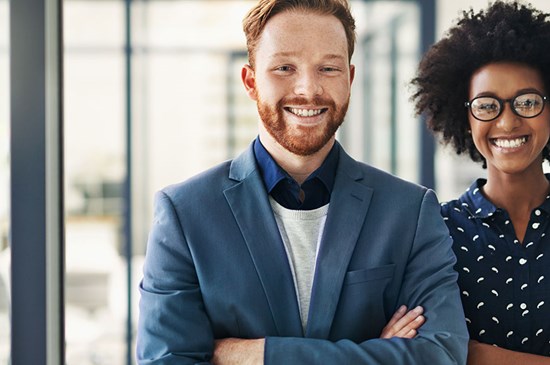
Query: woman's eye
x=487, y=107
x=527, y=103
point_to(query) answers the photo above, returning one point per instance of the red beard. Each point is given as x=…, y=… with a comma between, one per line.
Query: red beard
x=299, y=139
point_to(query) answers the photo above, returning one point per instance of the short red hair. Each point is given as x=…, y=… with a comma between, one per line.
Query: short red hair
x=256, y=19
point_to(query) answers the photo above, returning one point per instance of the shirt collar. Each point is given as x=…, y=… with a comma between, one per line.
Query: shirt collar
x=480, y=207
x=546, y=205
x=272, y=173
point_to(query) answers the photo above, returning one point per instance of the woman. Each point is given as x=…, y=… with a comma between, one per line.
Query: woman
x=485, y=88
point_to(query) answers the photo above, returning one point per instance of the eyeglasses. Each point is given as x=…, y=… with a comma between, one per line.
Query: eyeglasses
x=487, y=108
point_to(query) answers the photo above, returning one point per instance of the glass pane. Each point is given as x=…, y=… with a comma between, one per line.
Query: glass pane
x=190, y=109
x=389, y=52
x=183, y=85
x=94, y=100
x=4, y=184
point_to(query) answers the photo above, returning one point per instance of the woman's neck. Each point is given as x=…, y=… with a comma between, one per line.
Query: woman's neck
x=517, y=192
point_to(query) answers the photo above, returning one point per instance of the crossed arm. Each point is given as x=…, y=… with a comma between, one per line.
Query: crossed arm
x=235, y=351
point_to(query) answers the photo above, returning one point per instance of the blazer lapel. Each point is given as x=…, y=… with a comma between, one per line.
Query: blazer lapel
x=349, y=204
x=250, y=205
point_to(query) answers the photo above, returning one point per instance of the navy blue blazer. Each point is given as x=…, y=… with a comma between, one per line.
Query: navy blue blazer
x=216, y=267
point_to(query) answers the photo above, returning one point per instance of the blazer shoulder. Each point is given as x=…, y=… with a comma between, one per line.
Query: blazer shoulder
x=221, y=176
x=212, y=179
x=383, y=180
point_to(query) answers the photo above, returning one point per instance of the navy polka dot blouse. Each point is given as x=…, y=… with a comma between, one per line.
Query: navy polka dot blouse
x=504, y=284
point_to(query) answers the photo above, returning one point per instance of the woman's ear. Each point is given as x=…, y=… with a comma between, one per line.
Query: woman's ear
x=249, y=81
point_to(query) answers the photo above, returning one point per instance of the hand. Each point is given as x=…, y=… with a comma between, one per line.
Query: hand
x=404, y=324
x=236, y=351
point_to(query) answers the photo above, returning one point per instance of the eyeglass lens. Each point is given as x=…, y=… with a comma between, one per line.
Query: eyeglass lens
x=526, y=105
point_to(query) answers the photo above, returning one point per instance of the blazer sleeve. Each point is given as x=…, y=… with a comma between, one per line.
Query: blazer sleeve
x=173, y=327
x=430, y=281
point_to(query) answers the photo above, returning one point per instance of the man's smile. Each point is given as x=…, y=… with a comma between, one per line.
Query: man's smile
x=303, y=112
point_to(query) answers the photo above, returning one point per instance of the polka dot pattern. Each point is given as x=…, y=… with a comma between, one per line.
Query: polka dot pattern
x=503, y=282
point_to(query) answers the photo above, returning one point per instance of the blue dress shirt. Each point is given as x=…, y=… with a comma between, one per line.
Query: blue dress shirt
x=286, y=191
x=505, y=284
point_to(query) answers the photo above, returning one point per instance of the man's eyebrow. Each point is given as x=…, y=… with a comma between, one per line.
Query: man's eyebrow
x=335, y=56
x=282, y=54
x=330, y=56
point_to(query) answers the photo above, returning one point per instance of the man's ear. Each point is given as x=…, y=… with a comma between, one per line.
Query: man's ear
x=249, y=81
x=351, y=73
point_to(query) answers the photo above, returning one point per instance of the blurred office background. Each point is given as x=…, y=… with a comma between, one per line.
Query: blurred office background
x=152, y=95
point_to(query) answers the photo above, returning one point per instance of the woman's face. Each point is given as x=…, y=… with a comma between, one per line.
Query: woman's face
x=511, y=144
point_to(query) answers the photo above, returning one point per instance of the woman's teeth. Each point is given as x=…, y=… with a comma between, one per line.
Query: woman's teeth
x=510, y=143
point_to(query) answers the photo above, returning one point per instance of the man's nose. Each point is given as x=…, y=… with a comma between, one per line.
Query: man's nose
x=308, y=84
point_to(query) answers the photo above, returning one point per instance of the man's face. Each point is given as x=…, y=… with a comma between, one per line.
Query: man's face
x=301, y=79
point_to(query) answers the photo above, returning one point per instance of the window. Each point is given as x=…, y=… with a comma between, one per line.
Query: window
x=188, y=112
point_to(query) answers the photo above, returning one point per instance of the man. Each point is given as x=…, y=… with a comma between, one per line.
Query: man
x=294, y=253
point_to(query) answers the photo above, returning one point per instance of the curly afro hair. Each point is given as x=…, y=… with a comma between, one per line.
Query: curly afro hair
x=504, y=32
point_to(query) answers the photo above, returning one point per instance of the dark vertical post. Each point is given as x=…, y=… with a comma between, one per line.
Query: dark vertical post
x=37, y=219
x=394, y=55
x=427, y=145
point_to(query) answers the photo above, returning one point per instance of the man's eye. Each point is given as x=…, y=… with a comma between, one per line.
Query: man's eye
x=284, y=68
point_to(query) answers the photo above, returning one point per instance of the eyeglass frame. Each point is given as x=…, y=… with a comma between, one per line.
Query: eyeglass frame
x=501, y=102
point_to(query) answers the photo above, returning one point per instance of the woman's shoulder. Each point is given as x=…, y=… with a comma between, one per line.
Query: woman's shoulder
x=454, y=207
x=469, y=204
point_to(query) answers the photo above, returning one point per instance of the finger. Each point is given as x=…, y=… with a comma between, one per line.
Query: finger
x=419, y=321
x=405, y=320
x=398, y=323
x=397, y=316
x=418, y=310
x=414, y=314
x=410, y=334
x=389, y=330
x=408, y=322
x=411, y=326
x=400, y=312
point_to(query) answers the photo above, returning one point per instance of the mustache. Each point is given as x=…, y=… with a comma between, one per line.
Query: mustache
x=297, y=100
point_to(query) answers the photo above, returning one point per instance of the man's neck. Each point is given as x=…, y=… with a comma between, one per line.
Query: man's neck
x=299, y=167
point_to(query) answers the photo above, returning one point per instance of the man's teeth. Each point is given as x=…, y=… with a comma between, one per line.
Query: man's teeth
x=510, y=143
x=306, y=112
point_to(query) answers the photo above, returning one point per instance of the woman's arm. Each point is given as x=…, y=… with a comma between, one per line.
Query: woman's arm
x=481, y=354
